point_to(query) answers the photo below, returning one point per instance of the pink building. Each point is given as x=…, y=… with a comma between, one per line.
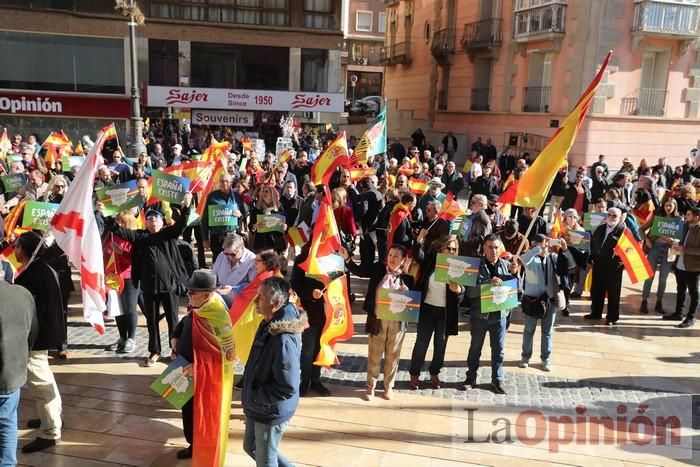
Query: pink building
x=511, y=70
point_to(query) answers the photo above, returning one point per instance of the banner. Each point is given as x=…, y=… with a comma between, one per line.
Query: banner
x=117, y=198
x=461, y=270
x=169, y=188
x=14, y=182
x=175, y=384
x=591, y=220
x=221, y=215
x=580, y=240
x=499, y=297
x=667, y=227
x=270, y=223
x=339, y=326
x=37, y=215
x=398, y=305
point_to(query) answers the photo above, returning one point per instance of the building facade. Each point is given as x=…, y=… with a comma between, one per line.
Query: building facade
x=274, y=52
x=511, y=70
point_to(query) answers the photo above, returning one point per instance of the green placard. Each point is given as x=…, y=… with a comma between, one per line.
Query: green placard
x=37, y=214
x=117, y=198
x=667, y=227
x=270, y=223
x=221, y=215
x=175, y=384
x=499, y=297
x=169, y=188
x=398, y=305
x=591, y=220
x=14, y=182
x=461, y=270
x=580, y=240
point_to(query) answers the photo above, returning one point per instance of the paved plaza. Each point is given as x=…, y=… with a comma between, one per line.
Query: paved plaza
x=643, y=364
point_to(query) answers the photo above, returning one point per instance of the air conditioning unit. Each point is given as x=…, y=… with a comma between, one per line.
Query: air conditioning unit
x=361, y=61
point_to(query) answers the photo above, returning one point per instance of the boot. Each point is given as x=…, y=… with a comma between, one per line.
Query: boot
x=659, y=308
x=677, y=316
x=415, y=382
x=643, y=309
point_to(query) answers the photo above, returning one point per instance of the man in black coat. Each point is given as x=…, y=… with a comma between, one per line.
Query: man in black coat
x=42, y=282
x=372, y=202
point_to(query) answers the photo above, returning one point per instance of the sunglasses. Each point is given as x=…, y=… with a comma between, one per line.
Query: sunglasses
x=153, y=217
x=59, y=186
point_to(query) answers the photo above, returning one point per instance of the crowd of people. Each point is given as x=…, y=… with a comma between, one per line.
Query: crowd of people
x=391, y=219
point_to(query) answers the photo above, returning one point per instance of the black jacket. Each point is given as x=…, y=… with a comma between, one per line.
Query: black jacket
x=42, y=281
x=602, y=253
x=156, y=265
x=304, y=286
x=371, y=205
x=375, y=272
x=570, y=197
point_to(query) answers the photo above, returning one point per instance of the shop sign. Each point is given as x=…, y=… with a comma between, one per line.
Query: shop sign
x=64, y=105
x=244, y=99
x=222, y=117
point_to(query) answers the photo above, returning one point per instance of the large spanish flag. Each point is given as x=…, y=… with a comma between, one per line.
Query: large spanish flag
x=450, y=208
x=216, y=151
x=214, y=356
x=339, y=326
x=210, y=185
x=322, y=263
x=245, y=318
x=630, y=252
x=336, y=155
x=198, y=172
x=532, y=187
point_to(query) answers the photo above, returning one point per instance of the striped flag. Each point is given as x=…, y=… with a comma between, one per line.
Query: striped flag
x=417, y=186
x=339, y=326
x=644, y=212
x=247, y=145
x=532, y=187
x=407, y=171
x=557, y=227
x=398, y=214
x=358, y=173
x=296, y=236
x=109, y=132
x=198, y=172
x=334, y=156
x=630, y=252
x=450, y=208
x=8, y=254
x=216, y=151
x=209, y=186
x=57, y=146
x=322, y=263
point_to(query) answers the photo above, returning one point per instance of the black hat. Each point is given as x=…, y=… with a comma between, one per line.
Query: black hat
x=202, y=279
x=538, y=238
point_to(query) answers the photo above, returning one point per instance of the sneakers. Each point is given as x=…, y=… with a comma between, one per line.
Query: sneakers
x=152, y=359
x=547, y=365
x=116, y=346
x=565, y=312
x=239, y=385
x=687, y=323
x=524, y=364
x=38, y=444
x=643, y=308
x=128, y=347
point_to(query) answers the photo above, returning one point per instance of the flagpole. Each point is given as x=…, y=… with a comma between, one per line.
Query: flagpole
x=529, y=228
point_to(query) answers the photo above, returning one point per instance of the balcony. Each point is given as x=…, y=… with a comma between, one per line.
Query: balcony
x=648, y=102
x=663, y=19
x=397, y=53
x=536, y=99
x=536, y=23
x=443, y=46
x=485, y=34
x=384, y=56
x=480, y=99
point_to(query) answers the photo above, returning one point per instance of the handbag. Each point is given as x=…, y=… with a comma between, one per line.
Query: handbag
x=535, y=307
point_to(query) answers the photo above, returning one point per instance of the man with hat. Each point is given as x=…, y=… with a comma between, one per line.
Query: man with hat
x=204, y=338
x=434, y=193
x=178, y=158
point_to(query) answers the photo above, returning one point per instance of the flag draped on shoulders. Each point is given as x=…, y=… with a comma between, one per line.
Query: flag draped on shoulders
x=75, y=230
x=534, y=184
x=334, y=156
x=643, y=212
x=630, y=252
x=244, y=317
x=214, y=356
x=339, y=326
x=398, y=214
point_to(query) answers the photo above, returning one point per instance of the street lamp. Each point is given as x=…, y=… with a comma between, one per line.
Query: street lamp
x=130, y=9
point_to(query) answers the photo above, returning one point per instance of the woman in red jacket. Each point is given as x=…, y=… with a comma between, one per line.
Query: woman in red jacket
x=344, y=218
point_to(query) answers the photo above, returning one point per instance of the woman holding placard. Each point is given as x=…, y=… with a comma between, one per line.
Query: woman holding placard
x=267, y=236
x=438, y=313
x=385, y=336
x=658, y=246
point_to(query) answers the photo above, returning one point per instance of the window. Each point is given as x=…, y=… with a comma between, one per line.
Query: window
x=314, y=70
x=318, y=14
x=381, y=26
x=363, y=21
x=268, y=12
x=163, y=63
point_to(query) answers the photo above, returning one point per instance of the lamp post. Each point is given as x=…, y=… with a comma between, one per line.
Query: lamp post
x=130, y=9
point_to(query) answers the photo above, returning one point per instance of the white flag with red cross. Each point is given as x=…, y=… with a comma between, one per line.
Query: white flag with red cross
x=75, y=229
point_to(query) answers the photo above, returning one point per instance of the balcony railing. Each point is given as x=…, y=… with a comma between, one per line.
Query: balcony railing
x=397, y=53
x=443, y=43
x=648, y=102
x=384, y=55
x=660, y=17
x=442, y=100
x=545, y=19
x=536, y=99
x=482, y=34
x=480, y=99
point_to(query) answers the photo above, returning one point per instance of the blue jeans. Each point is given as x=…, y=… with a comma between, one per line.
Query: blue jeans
x=261, y=442
x=8, y=429
x=529, y=334
x=658, y=259
x=496, y=328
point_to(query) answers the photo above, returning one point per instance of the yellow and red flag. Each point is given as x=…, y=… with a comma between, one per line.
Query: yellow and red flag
x=210, y=186
x=198, y=172
x=643, y=212
x=450, y=208
x=216, y=151
x=557, y=227
x=323, y=263
x=398, y=214
x=79, y=151
x=630, y=252
x=110, y=132
x=8, y=254
x=244, y=317
x=296, y=236
x=214, y=356
x=417, y=186
x=407, y=171
x=334, y=156
x=358, y=173
x=57, y=145
x=247, y=145
x=13, y=218
x=391, y=180
x=532, y=187
x=339, y=326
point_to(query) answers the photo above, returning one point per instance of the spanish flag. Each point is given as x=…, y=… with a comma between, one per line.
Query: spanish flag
x=632, y=256
x=322, y=262
x=247, y=145
x=296, y=236
x=450, y=208
x=398, y=214
x=216, y=151
x=110, y=132
x=557, y=227
x=336, y=155
x=644, y=212
x=13, y=218
x=210, y=186
x=407, y=171
x=339, y=326
x=8, y=254
x=532, y=187
x=391, y=181
x=358, y=173
x=198, y=172
x=57, y=146
x=214, y=356
x=79, y=151
x=417, y=186
x=244, y=317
